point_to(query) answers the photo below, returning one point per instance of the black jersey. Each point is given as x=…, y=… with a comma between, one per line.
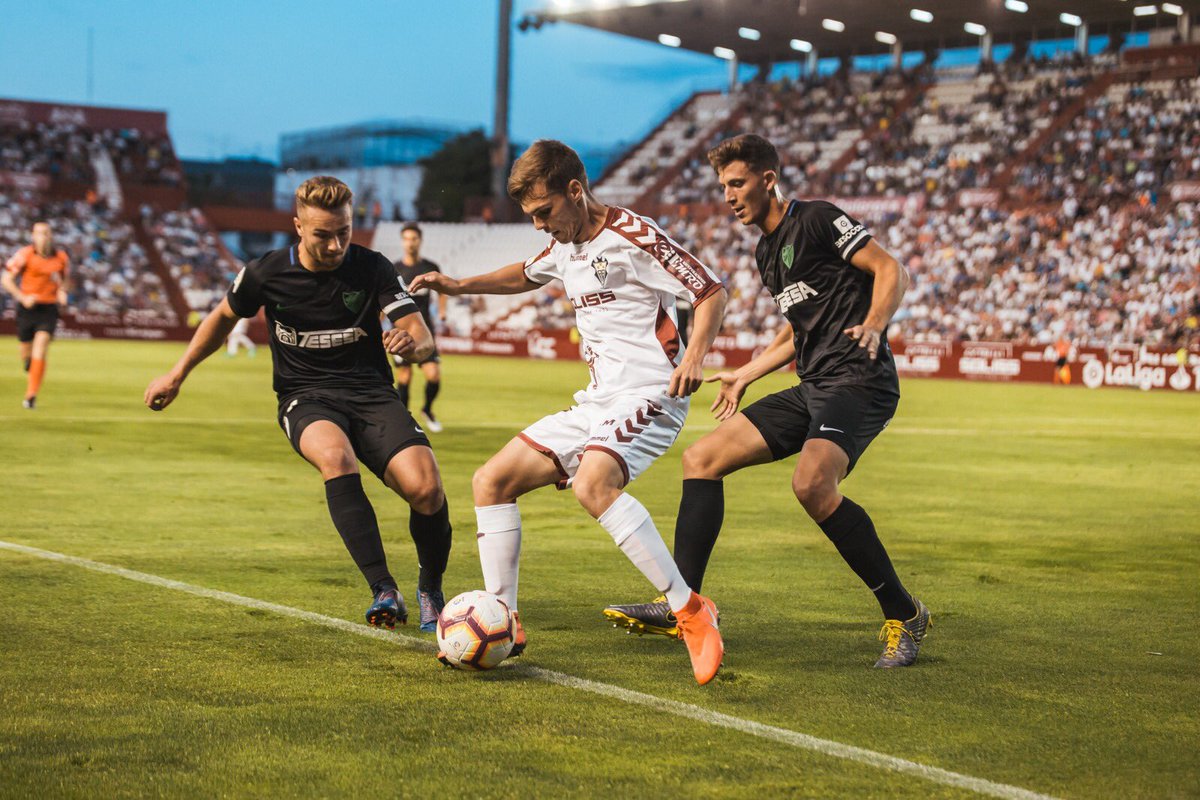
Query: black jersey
x=422, y=295
x=324, y=326
x=805, y=264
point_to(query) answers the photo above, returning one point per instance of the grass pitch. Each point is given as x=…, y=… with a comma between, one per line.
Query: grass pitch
x=1052, y=532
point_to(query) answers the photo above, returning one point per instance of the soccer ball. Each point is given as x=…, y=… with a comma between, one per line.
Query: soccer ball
x=475, y=631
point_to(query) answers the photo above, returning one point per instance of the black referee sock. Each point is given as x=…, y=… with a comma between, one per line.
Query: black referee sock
x=431, y=393
x=402, y=388
x=431, y=535
x=852, y=532
x=355, y=521
x=701, y=512
x=28, y=362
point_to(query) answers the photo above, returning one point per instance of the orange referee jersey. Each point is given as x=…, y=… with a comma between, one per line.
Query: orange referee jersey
x=41, y=276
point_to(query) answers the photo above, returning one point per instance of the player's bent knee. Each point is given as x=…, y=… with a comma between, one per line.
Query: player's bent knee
x=816, y=493
x=489, y=486
x=335, y=462
x=594, y=496
x=704, y=460
x=427, y=498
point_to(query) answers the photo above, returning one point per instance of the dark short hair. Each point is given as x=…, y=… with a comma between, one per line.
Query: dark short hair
x=411, y=226
x=759, y=154
x=549, y=161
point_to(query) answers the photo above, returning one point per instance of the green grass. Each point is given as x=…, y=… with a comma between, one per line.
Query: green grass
x=1053, y=533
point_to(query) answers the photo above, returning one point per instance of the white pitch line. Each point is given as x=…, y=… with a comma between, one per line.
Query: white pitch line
x=792, y=738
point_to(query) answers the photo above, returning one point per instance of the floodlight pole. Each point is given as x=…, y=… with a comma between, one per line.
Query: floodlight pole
x=985, y=47
x=500, y=124
x=1081, y=39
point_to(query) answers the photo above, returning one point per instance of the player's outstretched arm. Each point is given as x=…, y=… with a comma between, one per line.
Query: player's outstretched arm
x=891, y=281
x=688, y=376
x=506, y=280
x=409, y=338
x=208, y=339
x=779, y=352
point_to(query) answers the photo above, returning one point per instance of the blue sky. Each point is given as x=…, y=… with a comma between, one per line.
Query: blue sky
x=234, y=75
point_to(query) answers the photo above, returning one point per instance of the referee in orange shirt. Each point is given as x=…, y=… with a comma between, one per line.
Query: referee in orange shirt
x=41, y=270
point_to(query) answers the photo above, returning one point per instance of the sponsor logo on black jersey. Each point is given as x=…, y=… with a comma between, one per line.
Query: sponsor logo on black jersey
x=317, y=340
x=600, y=267
x=354, y=300
x=854, y=231
x=797, y=292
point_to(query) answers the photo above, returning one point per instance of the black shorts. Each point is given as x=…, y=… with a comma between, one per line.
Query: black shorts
x=42, y=317
x=374, y=420
x=849, y=416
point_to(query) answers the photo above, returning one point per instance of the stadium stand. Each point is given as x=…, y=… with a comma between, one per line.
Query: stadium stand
x=193, y=254
x=467, y=249
x=111, y=275
x=676, y=140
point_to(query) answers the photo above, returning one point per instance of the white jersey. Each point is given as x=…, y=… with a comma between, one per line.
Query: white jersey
x=624, y=284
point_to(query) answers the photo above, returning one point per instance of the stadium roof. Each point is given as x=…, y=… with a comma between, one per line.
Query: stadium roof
x=763, y=31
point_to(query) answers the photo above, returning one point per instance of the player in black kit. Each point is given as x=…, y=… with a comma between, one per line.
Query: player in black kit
x=408, y=267
x=838, y=289
x=323, y=298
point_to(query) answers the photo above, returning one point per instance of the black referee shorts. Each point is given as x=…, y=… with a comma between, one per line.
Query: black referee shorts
x=374, y=420
x=849, y=416
x=42, y=317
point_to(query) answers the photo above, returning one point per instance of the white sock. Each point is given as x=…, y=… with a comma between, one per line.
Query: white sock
x=629, y=523
x=499, y=541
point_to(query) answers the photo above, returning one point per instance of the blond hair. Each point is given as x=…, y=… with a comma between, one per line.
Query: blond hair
x=325, y=192
x=550, y=162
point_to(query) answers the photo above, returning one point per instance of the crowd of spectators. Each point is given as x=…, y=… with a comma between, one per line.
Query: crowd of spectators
x=65, y=152
x=983, y=274
x=965, y=128
x=110, y=274
x=1130, y=143
x=813, y=121
x=193, y=253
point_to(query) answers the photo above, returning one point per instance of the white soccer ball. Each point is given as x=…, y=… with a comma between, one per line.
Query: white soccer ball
x=475, y=631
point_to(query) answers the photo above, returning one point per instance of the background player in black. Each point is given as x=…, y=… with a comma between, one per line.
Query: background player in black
x=408, y=267
x=323, y=299
x=838, y=290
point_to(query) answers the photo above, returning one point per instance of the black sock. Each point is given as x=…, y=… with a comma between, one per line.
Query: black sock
x=852, y=532
x=28, y=362
x=403, y=389
x=701, y=512
x=431, y=535
x=355, y=521
x=431, y=393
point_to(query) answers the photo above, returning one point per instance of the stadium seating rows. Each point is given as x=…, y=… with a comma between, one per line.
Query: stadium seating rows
x=1098, y=254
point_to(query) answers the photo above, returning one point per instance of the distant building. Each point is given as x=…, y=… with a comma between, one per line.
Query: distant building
x=244, y=182
x=377, y=159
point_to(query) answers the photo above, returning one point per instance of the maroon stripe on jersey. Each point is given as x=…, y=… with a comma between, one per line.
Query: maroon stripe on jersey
x=667, y=335
x=616, y=457
x=550, y=454
x=530, y=262
x=675, y=260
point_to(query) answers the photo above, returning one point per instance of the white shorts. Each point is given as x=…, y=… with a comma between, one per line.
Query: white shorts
x=633, y=430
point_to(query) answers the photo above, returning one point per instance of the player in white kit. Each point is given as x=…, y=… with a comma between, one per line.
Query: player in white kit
x=624, y=276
